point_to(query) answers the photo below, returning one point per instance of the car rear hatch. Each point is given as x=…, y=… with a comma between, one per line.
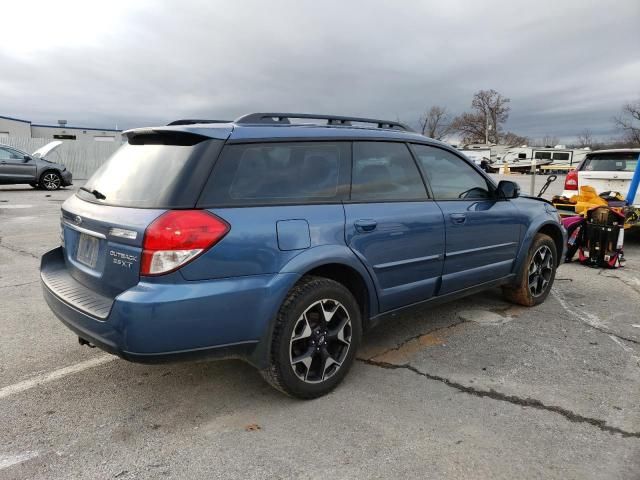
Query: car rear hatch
x=609, y=172
x=103, y=244
x=103, y=225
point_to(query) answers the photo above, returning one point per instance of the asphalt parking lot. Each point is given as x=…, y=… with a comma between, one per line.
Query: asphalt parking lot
x=475, y=389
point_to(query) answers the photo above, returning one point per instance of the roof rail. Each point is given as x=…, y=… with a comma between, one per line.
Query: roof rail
x=284, y=118
x=191, y=121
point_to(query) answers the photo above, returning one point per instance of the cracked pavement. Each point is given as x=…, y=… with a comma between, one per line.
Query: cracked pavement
x=478, y=388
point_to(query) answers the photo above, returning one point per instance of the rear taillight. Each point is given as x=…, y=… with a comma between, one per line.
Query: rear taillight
x=177, y=237
x=571, y=182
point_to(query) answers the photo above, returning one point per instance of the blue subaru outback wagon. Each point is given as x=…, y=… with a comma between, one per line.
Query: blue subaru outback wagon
x=280, y=242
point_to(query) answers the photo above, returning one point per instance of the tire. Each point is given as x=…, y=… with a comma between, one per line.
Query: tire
x=310, y=356
x=536, y=279
x=50, y=180
x=33, y=185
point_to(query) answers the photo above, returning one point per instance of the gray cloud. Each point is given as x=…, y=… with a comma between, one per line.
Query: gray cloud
x=565, y=65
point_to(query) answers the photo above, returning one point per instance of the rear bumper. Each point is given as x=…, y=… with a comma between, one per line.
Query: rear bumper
x=160, y=322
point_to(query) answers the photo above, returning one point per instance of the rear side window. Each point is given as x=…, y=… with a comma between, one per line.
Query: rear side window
x=612, y=162
x=385, y=171
x=450, y=177
x=154, y=172
x=279, y=173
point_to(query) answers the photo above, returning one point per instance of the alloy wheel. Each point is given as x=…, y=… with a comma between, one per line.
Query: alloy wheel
x=540, y=270
x=320, y=341
x=51, y=181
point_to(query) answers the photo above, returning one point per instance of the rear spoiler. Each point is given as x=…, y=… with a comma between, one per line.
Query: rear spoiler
x=181, y=133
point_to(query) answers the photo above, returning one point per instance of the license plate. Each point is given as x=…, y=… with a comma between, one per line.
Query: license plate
x=88, y=250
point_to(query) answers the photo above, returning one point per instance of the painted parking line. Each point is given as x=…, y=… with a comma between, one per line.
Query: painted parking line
x=54, y=375
x=7, y=461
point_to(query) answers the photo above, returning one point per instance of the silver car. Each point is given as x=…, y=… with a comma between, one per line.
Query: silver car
x=18, y=167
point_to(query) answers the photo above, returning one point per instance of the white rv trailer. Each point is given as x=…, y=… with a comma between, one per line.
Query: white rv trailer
x=520, y=158
x=558, y=155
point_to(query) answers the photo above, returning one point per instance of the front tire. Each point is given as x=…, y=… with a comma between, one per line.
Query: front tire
x=51, y=181
x=314, y=342
x=537, y=276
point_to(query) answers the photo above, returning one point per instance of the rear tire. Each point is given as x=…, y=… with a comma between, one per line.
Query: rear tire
x=314, y=342
x=50, y=180
x=536, y=278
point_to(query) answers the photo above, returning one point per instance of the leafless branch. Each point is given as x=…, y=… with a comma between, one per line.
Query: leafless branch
x=484, y=124
x=628, y=123
x=436, y=123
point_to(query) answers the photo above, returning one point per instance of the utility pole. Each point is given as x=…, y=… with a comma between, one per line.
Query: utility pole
x=486, y=130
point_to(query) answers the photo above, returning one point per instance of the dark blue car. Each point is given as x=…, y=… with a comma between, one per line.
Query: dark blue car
x=281, y=243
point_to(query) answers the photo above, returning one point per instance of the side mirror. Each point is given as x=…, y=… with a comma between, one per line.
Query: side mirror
x=27, y=158
x=507, y=189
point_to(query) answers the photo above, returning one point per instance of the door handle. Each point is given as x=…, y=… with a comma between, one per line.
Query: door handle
x=366, y=225
x=458, y=218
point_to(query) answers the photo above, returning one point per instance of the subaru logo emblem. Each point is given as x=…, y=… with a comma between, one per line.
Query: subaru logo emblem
x=77, y=219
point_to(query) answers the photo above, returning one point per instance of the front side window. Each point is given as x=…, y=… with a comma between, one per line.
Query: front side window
x=450, y=177
x=274, y=173
x=8, y=154
x=561, y=155
x=5, y=154
x=385, y=171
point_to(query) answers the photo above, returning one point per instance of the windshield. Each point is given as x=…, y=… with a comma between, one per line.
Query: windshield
x=611, y=162
x=153, y=175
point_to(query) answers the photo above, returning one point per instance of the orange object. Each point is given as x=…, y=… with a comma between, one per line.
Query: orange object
x=587, y=199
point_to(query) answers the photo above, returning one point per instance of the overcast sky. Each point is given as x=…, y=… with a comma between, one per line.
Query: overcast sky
x=566, y=64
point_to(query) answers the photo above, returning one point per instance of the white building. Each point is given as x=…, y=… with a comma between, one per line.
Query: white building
x=15, y=127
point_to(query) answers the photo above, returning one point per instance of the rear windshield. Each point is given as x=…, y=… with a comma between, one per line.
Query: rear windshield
x=611, y=162
x=154, y=173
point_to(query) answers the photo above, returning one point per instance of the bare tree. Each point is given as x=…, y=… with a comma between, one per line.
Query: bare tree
x=495, y=111
x=513, y=139
x=628, y=122
x=471, y=127
x=585, y=138
x=484, y=124
x=436, y=122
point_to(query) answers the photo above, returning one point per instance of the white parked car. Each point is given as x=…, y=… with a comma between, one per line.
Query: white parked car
x=604, y=170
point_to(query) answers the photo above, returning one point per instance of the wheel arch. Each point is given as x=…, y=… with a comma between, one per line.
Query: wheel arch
x=351, y=279
x=548, y=227
x=338, y=263
x=330, y=261
x=554, y=231
x=47, y=170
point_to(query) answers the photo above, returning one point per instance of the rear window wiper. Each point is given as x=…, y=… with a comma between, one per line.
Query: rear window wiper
x=95, y=193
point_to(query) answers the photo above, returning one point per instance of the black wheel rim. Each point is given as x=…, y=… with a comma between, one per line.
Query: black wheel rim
x=540, y=271
x=320, y=341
